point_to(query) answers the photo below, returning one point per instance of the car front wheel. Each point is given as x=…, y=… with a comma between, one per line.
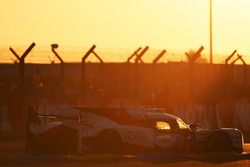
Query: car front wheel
x=219, y=142
x=109, y=142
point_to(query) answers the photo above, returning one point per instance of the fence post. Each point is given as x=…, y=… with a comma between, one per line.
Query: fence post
x=84, y=58
x=157, y=58
x=22, y=89
x=191, y=59
x=135, y=53
x=230, y=56
x=138, y=60
x=139, y=56
x=21, y=60
x=155, y=97
x=53, y=47
x=239, y=57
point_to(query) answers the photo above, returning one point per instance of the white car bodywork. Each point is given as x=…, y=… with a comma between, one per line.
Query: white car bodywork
x=136, y=126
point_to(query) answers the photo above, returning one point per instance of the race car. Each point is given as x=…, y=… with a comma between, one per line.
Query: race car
x=125, y=130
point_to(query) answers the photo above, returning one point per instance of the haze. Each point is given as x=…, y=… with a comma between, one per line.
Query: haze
x=176, y=25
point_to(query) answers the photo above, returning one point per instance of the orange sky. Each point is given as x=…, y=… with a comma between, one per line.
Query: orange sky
x=175, y=25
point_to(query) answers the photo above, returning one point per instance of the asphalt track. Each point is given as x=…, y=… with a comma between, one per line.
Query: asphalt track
x=12, y=154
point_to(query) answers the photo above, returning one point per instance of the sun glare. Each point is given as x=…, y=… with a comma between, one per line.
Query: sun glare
x=163, y=24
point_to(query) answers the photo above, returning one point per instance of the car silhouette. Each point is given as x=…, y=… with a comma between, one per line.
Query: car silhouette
x=125, y=130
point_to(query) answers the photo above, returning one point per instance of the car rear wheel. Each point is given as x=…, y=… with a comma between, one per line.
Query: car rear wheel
x=66, y=140
x=219, y=142
x=109, y=142
x=57, y=139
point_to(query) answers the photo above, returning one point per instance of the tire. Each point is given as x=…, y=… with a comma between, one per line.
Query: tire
x=109, y=142
x=219, y=142
x=189, y=146
x=65, y=140
x=57, y=139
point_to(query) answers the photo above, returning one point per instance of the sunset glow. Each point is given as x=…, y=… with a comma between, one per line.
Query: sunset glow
x=162, y=24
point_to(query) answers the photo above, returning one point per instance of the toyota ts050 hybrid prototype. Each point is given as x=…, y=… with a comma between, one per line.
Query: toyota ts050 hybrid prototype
x=125, y=130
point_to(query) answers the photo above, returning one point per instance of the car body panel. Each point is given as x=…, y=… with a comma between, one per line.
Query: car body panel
x=136, y=127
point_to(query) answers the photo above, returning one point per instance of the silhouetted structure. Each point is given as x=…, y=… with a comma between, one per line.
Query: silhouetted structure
x=174, y=85
x=159, y=56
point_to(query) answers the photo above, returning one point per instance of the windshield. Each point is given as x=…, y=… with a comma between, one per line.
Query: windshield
x=181, y=124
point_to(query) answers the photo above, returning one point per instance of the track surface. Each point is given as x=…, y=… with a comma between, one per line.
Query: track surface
x=12, y=154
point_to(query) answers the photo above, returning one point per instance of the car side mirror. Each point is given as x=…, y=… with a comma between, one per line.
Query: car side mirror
x=193, y=126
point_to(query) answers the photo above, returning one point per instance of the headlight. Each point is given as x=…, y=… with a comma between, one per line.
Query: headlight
x=160, y=125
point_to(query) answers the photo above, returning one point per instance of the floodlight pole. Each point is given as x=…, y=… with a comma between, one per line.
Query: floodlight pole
x=211, y=31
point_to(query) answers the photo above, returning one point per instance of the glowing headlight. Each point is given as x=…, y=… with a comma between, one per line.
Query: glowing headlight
x=160, y=125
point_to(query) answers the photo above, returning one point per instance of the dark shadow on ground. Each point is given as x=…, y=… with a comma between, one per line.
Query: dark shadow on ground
x=154, y=158
x=203, y=157
x=13, y=152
